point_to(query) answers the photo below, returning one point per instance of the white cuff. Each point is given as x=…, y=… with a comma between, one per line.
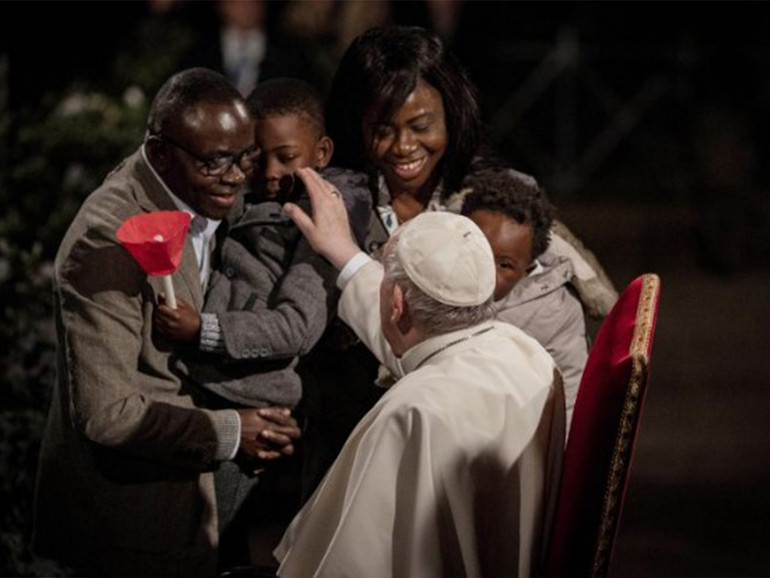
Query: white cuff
x=351, y=268
x=211, y=339
x=227, y=423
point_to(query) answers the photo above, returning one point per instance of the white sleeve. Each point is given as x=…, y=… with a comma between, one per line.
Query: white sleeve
x=351, y=268
x=359, y=307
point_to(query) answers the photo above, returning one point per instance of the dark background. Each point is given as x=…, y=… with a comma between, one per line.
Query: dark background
x=646, y=122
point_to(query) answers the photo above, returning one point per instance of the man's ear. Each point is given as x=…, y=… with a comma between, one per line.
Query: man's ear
x=157, y=152
x=401, y=316
x=324, y=150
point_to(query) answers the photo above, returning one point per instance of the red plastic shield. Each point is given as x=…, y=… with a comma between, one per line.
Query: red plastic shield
x=156, y=240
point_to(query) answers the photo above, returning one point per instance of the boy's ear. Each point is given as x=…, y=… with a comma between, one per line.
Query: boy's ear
x=323, y=152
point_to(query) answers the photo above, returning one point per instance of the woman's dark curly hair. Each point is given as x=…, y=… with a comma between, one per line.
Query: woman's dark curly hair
x=503, y=191
x=379, y=70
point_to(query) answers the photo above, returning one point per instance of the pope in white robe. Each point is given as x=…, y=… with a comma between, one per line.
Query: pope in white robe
x=454, y=470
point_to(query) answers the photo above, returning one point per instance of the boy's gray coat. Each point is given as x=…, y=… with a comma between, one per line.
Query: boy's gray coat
x=274, y=297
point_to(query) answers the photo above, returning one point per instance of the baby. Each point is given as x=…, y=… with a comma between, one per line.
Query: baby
x=533, y=289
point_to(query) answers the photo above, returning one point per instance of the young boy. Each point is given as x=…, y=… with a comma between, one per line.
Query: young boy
x=533, y=289
x=290, y=132
x=271, y=296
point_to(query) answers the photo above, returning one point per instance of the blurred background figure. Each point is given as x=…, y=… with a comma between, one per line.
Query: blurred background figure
x=247, y=42
x=725, y=166
x=329, y=26
x=243, y=41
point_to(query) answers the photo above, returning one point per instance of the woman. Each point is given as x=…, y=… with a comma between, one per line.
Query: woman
x=402, y=110
x=389, y=113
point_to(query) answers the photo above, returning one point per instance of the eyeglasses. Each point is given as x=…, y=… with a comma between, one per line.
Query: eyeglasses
x=219, y=165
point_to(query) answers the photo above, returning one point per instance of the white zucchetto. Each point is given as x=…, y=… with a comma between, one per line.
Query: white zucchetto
x=447, y=257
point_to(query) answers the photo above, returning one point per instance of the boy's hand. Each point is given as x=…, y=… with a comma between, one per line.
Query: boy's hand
x=181, y=324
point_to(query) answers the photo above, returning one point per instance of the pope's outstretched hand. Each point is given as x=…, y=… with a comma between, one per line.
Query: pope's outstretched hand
x=328, y=230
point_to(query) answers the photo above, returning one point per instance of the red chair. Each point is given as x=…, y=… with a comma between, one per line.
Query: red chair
x=599, y=450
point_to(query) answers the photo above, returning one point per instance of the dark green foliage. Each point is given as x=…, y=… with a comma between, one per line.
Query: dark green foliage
x=52, y=156
x=58, y=156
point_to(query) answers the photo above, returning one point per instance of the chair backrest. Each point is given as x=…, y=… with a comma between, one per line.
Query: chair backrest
x=597, y=459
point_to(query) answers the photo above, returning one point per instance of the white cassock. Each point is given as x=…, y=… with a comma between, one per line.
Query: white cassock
x=452, y=472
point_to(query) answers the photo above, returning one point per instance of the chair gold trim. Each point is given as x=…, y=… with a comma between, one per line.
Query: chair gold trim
x=621, y=455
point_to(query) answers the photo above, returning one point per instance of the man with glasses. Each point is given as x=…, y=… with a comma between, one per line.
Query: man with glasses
x=268, y=302
x=125, y=484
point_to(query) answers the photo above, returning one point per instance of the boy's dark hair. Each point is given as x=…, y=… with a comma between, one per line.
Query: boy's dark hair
x=379, y=70
x=284, y=96
x=185, y=90
x=502, y=191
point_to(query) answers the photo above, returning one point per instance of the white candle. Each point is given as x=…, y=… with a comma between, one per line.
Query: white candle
x=168, y=287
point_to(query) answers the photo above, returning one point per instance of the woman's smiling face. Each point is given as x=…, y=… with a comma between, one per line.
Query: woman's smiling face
x=408, y=148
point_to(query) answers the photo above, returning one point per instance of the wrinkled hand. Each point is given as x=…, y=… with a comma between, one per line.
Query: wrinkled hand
x=328, y=231
x=267, y=434
x=181, y=324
